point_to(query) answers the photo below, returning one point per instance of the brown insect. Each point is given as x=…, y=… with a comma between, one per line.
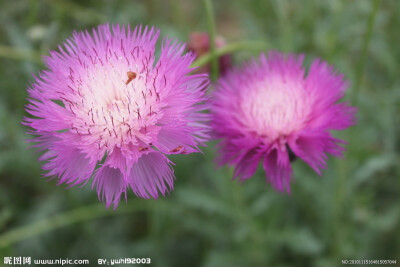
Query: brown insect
x=177, y=149
x=131, y=75
x=143, y=149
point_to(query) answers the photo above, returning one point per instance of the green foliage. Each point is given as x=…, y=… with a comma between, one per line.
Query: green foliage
x=351, y=212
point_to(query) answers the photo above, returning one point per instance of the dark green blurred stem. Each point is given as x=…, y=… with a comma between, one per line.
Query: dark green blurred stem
x=212, y=33
x=284, y=25
x=177, y=16
x=32, y=16
x=18, y=54
x=74, y=216
x=231, y=48
x=364, y=51
x=340, y=209
x=244, y=216
x=78, y=12
x=155, y=222
x=342, y=200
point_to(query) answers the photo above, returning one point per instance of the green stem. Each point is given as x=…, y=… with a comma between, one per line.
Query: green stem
x=70, y=217
x=18, y=54
x=340, y=209
x=230, y=48
x=364, y=51
x=177, y=15
x=212, y=34
x=284, y=25
x=77, y=11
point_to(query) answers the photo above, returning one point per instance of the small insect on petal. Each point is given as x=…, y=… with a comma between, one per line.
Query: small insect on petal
x=131, y=76
x=177, y=149
x=143, y=149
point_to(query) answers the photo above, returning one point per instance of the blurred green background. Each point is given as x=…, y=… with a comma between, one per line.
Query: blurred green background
x=351, y=212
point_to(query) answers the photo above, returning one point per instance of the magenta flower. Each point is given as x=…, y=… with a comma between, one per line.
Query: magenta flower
x=107, y=109
x=272, y=112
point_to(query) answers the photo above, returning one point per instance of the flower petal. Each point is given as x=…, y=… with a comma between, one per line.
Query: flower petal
x=312, y=147
x=150, y=175
x=277, y=167
x=110, y=184
x=175, y=141
x=247, y=165
x=67, y=163
x=326, y=88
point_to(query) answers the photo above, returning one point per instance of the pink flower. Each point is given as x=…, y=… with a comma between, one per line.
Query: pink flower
x=270, y=111
x=107, y=108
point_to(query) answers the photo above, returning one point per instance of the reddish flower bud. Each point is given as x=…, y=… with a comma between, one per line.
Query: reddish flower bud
x=199, y=43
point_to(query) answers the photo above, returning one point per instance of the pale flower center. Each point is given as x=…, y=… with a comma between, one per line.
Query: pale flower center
x=275, y=108
x=114, y=106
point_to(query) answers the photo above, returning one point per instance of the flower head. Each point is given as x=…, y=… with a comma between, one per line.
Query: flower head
x=107, y=108
x=270, y=111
